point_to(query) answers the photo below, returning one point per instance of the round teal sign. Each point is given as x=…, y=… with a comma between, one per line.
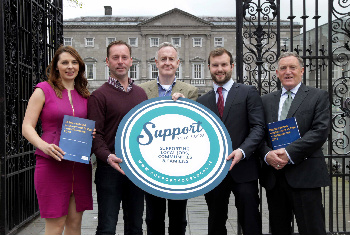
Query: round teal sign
x=173, y=149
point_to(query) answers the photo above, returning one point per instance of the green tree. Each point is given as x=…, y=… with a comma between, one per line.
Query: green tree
x=74, y=3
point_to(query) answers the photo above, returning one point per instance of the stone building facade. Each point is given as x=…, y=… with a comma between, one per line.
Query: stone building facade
x=194, y=37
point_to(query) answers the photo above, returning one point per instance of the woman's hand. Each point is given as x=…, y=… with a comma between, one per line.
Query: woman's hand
x=53, y=150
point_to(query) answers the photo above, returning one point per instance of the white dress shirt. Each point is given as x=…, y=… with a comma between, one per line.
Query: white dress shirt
x=225, y=89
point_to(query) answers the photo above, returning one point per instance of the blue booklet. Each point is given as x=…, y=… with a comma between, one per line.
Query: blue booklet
x=76, y=138
x=284, y=132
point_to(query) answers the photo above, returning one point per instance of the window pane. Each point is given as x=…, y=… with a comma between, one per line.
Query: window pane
x=89, y=42
x=154, y=42
x=89, y=71
x=109, y=40
x=133, y=41
x=177, y=73
x=197, y=71
x=176, y=41
x=218, y=42
x=67, y=41
x=197, y=41
x=154, y=71
x=284, y=43
x=133, y=72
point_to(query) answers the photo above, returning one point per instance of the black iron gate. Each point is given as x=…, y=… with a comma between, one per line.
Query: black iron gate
x=30, y=32
x=325, y=48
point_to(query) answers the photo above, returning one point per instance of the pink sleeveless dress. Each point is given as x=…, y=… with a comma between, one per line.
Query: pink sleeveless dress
x=55, y=181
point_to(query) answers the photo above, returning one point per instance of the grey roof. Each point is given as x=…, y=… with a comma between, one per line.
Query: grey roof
x=136, y=20
x=124, y=21
x=176, y=10
x=104, y=18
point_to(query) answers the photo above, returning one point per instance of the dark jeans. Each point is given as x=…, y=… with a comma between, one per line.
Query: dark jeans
x=113, y=188
x=155, y=215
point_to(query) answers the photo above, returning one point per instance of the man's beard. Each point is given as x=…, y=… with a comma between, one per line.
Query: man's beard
x=221, y=82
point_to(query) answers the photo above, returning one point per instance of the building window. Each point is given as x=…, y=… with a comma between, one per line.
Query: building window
x=154, y=71
x=301, y=42
x=218, y=42
x=109, y=40
x=197, y=42
x=197, y=71
x=284, y=43
x=90, y=70
x=89, y=42
x=154, y=42
x=106, y=72
x=68, y=42
x=133, y=42
x=178, y=72
x=133, y=72
x=176, y=42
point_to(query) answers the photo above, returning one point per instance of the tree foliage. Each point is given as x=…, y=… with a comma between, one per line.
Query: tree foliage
x=74, y=3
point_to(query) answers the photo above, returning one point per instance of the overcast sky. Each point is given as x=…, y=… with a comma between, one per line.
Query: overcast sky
x=195, y=7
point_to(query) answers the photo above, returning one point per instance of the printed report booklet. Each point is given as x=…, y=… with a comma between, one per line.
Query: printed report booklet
x=76, y=138
x=284, y=132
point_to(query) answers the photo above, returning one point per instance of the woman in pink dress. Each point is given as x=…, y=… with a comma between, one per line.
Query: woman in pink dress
x=63, y=188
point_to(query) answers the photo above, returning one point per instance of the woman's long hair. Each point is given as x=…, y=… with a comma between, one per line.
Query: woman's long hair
x=54, y=79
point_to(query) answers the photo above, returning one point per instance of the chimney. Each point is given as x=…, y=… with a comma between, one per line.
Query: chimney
x=108, y=10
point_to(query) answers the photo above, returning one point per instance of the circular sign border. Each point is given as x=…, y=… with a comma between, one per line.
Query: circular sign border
x=176, y=194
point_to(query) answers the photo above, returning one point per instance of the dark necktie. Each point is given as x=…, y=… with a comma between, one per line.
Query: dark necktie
x=286, y=105
x=220, y=103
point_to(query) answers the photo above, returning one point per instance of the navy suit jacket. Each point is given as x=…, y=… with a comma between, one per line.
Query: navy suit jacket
x=310, y=107
x=244, y=119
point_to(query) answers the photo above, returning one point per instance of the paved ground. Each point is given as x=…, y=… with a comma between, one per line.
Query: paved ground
x=197, y=215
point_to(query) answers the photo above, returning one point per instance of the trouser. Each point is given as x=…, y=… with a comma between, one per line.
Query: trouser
x=113, y=188
x=155, y=215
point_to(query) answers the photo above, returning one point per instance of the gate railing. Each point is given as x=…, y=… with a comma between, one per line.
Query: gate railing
x=336, y=198
x=261, y=36
x=30, y=32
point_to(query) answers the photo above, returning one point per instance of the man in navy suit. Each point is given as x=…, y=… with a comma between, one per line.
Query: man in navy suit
x=241, y=110
x=293, y=176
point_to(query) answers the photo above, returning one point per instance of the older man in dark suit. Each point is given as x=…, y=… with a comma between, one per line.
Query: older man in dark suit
x=293, y=176
x=240, y=108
